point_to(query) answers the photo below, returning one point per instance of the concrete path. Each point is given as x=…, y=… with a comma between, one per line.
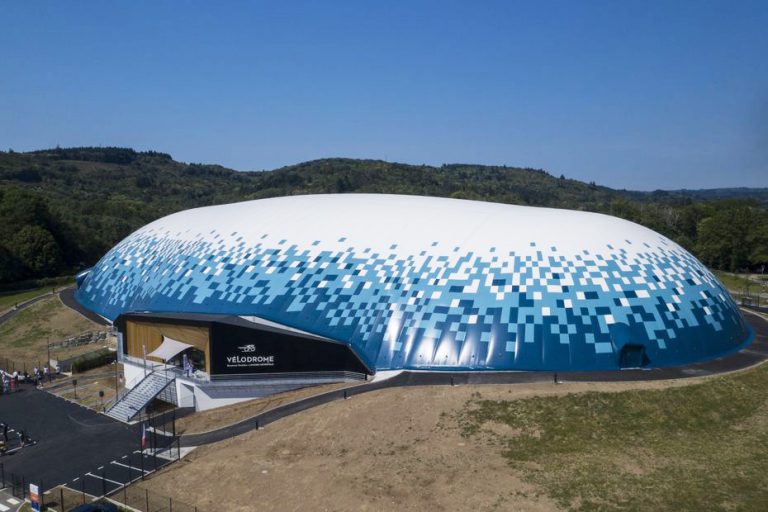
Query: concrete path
x=9, y=503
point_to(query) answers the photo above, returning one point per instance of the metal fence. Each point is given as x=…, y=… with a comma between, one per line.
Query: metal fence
x=64, y=499
x=143, y=499
x=120, y=484
x=16, y=484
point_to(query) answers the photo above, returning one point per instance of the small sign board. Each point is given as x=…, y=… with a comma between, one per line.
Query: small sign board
x=34, y=497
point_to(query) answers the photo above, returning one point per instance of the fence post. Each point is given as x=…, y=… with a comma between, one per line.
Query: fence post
x=23, y=489
x=146, y=494
x=141, y=455
x=125, y=492
x=154, y=436
x=103, y=484
x=82, y=488
x=61, y=498
x=170, y=504
x=2, y=470
x=42, y=496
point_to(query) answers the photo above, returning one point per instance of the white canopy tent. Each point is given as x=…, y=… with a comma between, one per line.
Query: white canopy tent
x=169, y=348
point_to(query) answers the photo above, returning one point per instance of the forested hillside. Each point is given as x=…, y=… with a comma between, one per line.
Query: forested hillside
x=62, y=209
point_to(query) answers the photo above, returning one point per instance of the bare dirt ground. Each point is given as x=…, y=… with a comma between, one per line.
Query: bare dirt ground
x=385, y=450
x=89, y=384
x=206, y=421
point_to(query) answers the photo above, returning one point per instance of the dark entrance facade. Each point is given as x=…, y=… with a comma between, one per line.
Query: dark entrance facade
x=228, y=347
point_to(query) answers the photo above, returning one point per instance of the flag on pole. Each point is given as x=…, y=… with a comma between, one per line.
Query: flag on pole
x=144, y=436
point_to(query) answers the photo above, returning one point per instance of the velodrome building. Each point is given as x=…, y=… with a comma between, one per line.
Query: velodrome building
x=344, y=286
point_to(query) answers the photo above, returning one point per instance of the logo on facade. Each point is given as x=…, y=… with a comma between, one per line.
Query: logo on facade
x=250, y=361
x=248, y=348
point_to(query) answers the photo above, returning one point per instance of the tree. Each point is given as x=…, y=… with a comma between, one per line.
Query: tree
x=37, y=250
x=724, y=237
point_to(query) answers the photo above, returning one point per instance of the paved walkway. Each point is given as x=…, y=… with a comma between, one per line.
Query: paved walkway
x=753, y=354
x=67, y=296
x=8, y=503
x=7, y=315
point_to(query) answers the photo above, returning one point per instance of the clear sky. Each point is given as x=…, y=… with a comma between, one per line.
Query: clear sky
x=638, y=95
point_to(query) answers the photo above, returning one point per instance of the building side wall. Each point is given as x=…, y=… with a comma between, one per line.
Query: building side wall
x=139, y=335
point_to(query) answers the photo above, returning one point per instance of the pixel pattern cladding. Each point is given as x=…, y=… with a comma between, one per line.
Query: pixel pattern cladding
x=436, y=303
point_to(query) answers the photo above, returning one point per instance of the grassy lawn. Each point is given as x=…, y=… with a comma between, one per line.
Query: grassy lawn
x=733, y=282
x=7, y=301
x=24, y=337
x=697, y=447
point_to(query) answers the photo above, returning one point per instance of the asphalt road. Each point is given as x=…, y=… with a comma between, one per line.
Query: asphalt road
x=15, y=311
x=74, y=445
x=67, y=296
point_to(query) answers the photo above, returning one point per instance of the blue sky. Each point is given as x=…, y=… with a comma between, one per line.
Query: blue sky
x=638, y=95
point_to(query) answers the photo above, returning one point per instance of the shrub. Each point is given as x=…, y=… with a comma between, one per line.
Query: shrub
x=93, y=360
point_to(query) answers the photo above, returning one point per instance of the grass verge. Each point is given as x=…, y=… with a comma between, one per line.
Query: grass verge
x=7, y=301
x=697, y=447
x=25, y=337
x=733, y=282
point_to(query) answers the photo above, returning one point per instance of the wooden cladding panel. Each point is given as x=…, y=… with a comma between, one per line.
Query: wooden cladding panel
x=151, y=334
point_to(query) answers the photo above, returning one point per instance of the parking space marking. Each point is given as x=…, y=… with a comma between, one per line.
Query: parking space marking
x=99, y=477
x=3, y=508
x=129, y=467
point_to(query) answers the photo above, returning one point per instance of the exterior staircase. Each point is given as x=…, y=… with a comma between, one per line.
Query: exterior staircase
x=130, y=404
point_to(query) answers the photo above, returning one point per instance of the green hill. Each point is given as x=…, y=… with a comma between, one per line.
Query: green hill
x=62, y=209
x=760, y=195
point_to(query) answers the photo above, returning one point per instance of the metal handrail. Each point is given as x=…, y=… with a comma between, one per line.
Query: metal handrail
x=152, y=366
x=129, y=387
x=120, y=394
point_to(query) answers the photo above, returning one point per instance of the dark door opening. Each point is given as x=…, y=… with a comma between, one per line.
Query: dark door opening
x=633, y=356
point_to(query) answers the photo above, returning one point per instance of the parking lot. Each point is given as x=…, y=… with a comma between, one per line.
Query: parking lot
x=73, y=446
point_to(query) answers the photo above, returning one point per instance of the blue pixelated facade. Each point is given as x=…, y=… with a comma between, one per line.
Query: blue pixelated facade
x=520, y=302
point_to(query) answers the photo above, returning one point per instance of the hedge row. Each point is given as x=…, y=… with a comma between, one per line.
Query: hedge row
x=93, y=360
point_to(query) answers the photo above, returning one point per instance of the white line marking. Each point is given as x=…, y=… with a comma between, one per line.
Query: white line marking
x=76, y=479
x=3, y=508
x=13, y=501
x=98, y=477
x=100, y=468
x=127, y=466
